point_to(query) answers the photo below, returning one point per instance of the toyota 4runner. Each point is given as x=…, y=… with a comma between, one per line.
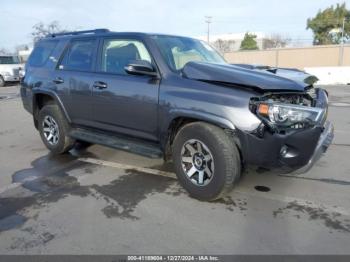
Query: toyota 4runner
x=174, y=97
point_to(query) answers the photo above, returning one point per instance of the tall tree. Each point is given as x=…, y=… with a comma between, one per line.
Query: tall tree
x=41, y=30
x=275, y=41
x=249, y=42
x=327, y=25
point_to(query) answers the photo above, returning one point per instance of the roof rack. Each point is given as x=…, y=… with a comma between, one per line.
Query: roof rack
x=95, y=31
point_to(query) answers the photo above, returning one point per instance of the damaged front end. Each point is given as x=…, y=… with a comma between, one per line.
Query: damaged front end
x=283, y=111
x=293, y=133
x=288, y=130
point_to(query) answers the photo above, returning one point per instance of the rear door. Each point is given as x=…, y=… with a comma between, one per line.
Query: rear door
x=124, y=103
x=73, y=77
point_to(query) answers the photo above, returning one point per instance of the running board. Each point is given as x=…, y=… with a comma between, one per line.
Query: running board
x=147, y=149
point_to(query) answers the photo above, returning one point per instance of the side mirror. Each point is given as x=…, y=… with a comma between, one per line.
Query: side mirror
x=140, y=67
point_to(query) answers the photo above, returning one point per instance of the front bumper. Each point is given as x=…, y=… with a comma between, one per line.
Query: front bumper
x=10, y=78
x=324, y=142
x=295, y=151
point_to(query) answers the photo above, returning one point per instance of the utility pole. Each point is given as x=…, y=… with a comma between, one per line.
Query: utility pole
x=208, y=21
x=341, y=53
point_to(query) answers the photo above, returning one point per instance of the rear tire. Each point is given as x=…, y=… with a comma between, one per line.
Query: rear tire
x=206, y=160
x=53, y=129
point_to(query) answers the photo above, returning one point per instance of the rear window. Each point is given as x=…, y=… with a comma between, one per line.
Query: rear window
x=41, y=53
x=79, y=56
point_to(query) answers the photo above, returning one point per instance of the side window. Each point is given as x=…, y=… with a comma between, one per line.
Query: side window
x=117, y=53
x=79, y=56
x=41, y=52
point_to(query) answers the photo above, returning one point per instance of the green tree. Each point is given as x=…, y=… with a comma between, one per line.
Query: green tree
x=249, y=42
x=327, y=25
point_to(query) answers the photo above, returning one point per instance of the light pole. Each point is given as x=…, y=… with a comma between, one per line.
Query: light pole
x=208, y=21
x=342, y=44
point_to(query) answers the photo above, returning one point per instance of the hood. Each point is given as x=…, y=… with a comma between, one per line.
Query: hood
x=290, y=73
x=294, y=74
x=263, y=81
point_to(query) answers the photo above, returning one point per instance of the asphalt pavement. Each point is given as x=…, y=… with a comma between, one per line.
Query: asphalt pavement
x=98, y=200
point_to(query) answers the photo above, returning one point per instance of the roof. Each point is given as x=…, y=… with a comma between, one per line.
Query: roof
x=102, y=32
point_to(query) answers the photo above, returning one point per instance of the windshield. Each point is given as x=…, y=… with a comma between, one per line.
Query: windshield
x=178, y=51
x=9, y=60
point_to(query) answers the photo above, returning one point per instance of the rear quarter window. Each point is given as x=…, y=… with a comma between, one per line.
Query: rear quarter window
x=41, y=53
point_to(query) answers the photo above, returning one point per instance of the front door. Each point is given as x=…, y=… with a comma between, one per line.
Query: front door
x=124, y=103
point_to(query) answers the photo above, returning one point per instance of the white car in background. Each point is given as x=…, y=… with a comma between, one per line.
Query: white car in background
x=10, y=69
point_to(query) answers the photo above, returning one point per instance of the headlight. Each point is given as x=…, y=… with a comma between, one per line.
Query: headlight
x=288, y=115
x=5, y=73
x=22, y=73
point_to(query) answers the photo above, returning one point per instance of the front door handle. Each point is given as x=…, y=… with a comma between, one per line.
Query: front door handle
x=58, y=80
x=100, y=85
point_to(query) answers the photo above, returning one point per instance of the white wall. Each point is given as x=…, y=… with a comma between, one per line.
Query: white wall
x=330, y=75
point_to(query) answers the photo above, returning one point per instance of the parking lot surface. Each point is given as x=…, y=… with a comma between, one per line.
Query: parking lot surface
x=97, y=200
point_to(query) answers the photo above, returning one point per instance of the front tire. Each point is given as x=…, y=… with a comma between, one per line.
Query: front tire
x=53, y=129
x=206, y=160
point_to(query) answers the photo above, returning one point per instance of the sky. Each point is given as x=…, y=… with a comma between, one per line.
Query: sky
x=180, y=17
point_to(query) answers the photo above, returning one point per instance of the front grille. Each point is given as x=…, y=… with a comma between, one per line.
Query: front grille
x=15, y=72
x=298, y=126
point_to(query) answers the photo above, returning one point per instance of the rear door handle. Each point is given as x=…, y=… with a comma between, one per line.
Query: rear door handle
x=100, y=85
x=58, y=80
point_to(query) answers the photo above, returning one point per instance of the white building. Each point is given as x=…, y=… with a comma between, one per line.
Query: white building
x=24, y=54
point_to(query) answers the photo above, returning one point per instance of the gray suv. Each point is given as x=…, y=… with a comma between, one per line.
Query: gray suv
x=174, y=97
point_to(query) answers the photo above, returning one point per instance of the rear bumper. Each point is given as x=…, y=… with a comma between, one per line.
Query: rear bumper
x=27, y=98
x=324, y=142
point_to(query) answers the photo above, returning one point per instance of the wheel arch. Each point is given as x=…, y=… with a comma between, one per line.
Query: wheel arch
x=42, y=98
x=183, y=118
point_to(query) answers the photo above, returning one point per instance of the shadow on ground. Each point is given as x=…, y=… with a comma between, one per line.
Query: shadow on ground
x=48, y=181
